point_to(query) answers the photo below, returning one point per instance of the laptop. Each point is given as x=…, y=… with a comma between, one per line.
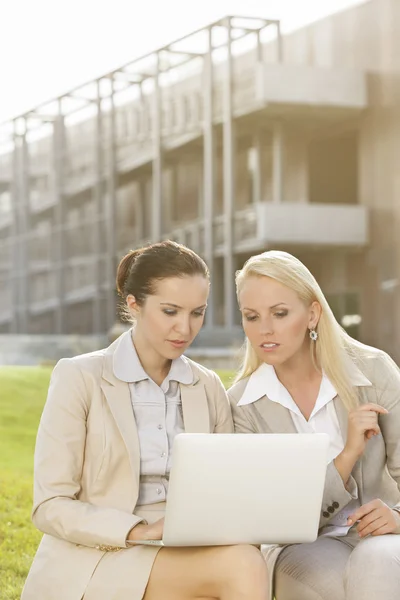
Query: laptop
x=228, y=489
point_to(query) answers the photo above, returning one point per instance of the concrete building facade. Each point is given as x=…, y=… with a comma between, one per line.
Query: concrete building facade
x=233, y=140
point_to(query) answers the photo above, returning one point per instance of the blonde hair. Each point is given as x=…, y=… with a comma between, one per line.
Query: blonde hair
x=334, y=347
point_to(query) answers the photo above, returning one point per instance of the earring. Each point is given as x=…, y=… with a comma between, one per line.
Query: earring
x=313, y=335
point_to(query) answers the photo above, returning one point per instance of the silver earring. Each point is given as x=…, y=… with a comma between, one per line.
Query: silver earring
x=313, y=335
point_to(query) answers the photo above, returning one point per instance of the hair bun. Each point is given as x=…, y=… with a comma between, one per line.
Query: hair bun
x=124, y=269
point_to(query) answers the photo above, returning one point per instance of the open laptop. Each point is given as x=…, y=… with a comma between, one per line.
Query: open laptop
x=227, y=489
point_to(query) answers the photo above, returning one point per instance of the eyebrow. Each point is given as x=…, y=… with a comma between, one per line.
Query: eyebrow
x=177, y=305
x=274, y=306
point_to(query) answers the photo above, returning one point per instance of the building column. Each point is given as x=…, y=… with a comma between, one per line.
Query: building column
x=15, y=233
x=209, y=177
x=257, y=169
x=20, y=228
x=109, y=216
x=98, y=198
x=157, y=197
x=58, y=159
x=278, y=162
x=229, y=186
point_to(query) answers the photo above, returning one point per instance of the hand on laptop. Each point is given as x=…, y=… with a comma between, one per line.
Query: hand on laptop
x=147, y=532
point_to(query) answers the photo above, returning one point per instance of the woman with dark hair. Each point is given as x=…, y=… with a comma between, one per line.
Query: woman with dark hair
x=103, y=452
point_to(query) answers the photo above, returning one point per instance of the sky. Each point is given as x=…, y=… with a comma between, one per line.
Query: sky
x=48, y=47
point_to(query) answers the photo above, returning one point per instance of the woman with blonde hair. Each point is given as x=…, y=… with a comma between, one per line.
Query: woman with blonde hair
x=302, y=373
x=104, y=451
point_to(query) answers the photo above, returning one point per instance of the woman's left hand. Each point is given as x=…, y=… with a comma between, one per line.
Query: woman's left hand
x=375, y=518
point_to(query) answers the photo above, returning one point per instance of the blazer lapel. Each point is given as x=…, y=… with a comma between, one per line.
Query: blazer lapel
x=273, y=416
x=196, y=416
x=119, y=400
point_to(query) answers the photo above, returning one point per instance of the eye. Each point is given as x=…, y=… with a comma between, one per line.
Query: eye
x=171, y=312
x=198, y=313
x=280, y=314
x=250, y=317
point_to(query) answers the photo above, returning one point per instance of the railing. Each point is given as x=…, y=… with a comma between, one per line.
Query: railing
x=6, y=254
x=40, y=249
x=42, y=287
x=6, y=299
x=80, y=278
x=190, y=234
x=79, y=239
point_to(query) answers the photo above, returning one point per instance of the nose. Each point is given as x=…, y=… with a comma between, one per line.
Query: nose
x=183, y=326
x=266, y=326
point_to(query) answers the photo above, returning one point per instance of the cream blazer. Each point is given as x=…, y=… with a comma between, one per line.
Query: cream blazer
x=376, y=474
x=87, y=469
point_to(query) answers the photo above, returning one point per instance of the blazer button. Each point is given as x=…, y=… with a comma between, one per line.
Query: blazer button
x=335, y=504
x=325, y=514
x=331, y=510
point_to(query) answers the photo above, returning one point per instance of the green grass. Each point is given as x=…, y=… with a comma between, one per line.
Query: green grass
x=22, y=395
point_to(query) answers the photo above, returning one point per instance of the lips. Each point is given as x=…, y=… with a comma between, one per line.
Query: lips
x=178, y=343
x=269, y=347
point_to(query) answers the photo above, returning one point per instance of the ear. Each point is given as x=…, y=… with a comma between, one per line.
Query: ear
x=132, y=305
x=315, y=314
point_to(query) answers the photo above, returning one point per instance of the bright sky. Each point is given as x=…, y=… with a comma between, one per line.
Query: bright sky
x=48, y=46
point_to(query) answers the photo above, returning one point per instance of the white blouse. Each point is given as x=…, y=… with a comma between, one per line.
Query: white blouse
x=158, y=415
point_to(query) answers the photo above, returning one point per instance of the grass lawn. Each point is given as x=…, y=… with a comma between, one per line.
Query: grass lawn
x=22, y=395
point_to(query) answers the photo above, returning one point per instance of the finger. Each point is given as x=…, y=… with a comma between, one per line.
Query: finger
x=366, y=418
x=372, y=431
x=385, y=530
x=365, y=509
x=368, y=519
x=370, y=434
x=374, y=407
x=374, y=526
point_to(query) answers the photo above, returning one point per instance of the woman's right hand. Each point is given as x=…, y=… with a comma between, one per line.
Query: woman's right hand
x=362, y=426
x=147, y=532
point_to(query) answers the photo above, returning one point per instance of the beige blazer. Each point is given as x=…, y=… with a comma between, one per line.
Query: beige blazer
x=376, y=474
x=86, y=474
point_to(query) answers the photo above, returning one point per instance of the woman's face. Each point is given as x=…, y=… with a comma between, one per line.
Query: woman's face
x=169, y=320
x=275, y=320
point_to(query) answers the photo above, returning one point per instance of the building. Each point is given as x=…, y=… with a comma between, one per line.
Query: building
x=232, y=140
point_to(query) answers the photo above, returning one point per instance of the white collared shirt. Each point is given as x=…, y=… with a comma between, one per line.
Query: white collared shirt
x=323, y=419
x=158, y=415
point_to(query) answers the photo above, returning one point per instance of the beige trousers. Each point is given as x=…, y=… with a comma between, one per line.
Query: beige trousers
x=340, y=568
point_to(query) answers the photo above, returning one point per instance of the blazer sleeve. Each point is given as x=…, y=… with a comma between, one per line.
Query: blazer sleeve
x=388, y=396
x=243, y=421
x=58, y=465
x=336, y=495
x=224, y=423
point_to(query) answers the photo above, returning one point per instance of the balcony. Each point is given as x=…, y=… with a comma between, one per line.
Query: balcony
x=296, y=224
x=299, y=87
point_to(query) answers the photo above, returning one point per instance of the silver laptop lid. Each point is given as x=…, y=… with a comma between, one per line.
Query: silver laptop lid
x=245, y=489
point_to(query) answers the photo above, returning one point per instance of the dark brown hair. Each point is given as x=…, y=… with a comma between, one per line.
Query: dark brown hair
x=140, y=269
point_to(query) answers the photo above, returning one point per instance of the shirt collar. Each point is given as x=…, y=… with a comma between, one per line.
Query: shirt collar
x=264, y=382
x=127, y=366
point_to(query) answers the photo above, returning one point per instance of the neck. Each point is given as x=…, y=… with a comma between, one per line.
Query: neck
x=298, y=369
x=156, y=366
